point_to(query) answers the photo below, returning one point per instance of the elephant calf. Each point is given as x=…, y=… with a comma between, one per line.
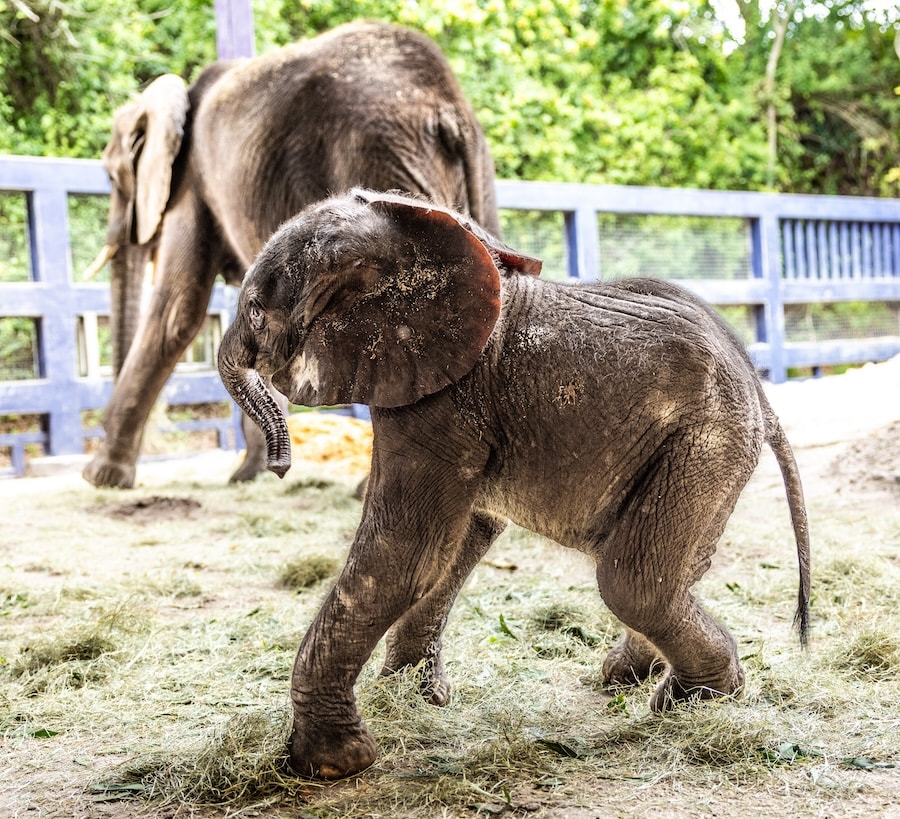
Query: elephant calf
x=621, y=419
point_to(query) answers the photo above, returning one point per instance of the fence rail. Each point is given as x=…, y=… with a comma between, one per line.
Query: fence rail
x=799, y=250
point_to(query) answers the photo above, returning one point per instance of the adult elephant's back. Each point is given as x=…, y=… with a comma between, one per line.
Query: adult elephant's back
x=202, y=176
x=365, y=105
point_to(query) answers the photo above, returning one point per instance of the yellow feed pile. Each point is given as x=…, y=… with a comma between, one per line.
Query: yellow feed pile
x=328, y=438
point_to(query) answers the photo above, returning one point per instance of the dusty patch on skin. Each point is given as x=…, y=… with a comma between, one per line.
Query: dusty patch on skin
x=305, y=374
x=567, y=395
x=155, y=507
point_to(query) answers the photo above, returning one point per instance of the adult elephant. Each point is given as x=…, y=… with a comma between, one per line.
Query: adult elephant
x=203, y=175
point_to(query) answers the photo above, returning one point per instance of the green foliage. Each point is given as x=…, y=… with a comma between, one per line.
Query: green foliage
x=655, y=92
x=15, y=264
x=67, y=67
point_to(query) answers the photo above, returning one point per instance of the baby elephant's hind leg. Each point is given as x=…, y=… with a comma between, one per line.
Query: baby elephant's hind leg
x=632, y=660
x=661, y=545
x=416, y=637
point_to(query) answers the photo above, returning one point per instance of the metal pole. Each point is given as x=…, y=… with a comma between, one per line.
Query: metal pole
x=234, y=29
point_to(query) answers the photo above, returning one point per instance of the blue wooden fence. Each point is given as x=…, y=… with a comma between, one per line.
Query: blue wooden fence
x=800, y=250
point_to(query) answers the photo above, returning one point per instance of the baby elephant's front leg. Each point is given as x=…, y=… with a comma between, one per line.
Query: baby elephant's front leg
x=391, y=566
x=328, y=738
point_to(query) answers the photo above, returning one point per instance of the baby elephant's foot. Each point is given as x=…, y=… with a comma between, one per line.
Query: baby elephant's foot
x=630, y=662
x=331, y=754
x=434, y=684
x=435, y=688
x=674, y=689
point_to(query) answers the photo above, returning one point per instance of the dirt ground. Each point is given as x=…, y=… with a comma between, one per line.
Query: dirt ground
x=846, y=434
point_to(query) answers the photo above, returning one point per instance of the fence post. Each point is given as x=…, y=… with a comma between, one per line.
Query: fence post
x=766, y=260
x=234, y=29
x=49, y=222
x=583, y=244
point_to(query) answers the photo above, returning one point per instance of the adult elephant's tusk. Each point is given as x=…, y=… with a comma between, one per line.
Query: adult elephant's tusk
x=103, y=257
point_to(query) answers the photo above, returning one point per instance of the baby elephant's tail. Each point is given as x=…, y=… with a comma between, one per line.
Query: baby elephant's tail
x=778, y=441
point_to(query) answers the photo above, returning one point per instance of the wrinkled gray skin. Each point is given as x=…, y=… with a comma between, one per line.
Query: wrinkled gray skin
x=620, y=419
x=202, y=176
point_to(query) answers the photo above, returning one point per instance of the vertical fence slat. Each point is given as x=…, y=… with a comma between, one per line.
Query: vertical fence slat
x=789, y=254
x=822, y=247
x=800, y=249
x=865, y=237
x=886, y=251
x=583, y=239
x=768, y=229
x=58, y=334
x=844, y=231
x=893, y=250
x=234, y=29
x=811, y=250
x=856, y=250
x=834, y=258
x=876, y=250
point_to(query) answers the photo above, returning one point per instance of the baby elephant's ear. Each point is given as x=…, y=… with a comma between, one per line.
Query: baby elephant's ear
x=410, y=320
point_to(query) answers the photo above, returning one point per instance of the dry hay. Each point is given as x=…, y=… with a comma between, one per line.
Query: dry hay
x=331, y=440
x=308, y=571
x=145, y=670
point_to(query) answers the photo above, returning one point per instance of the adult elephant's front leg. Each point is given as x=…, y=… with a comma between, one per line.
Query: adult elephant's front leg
x=417, y=637
x=177, y=309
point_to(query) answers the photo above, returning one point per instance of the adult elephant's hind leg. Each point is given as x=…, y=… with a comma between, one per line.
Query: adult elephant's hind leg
x=417, y=636
x=661, y=546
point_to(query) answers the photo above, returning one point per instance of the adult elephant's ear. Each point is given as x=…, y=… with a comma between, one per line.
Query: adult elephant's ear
x=407, y=319
x=154, y=141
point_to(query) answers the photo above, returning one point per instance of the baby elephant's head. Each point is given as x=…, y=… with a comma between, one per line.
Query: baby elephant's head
x=367, y=298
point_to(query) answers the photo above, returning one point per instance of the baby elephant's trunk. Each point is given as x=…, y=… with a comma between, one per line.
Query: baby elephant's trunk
x=250, y=393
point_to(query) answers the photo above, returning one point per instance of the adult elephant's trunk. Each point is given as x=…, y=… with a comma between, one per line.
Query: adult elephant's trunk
x=129, y=264
x=250, y=393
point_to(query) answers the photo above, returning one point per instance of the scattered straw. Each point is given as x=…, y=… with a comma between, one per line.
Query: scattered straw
x=243, y=761
x=308, y=571
x=872, y=655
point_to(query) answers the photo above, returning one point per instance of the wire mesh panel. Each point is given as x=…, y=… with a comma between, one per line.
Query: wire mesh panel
x=836, y=250
x=681, y=247
x=841, y=320
x=19, y=350
x=87, y=233
x=540, y=234
x=674, y=247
